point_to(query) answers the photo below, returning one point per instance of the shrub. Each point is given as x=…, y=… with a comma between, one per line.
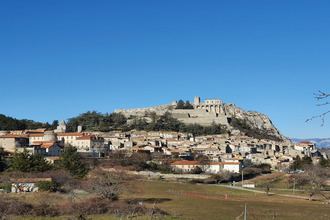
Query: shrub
x=153, y=166
x=265, y=167
x=47, y=186
x=224, y=176
x=13, y=207
x=197, y=170
x=210, y=181
x=194, y=181
x=44, y=209
x=5, y=187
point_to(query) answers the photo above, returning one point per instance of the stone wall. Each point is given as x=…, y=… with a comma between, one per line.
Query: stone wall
x=160, y=109
x=157, y=175
x=199, y=116
x=23, y=187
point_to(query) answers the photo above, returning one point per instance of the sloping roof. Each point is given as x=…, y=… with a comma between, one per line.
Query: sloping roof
x=177, y=151
x=14, y=136
x=186, y=162
x=44, y=142
x=47, y=145
x=30, y=180
x=9, y=151
x=70, y=134
x=224, y=163
x=35, y=135
x=89, y=137
x=137, y=148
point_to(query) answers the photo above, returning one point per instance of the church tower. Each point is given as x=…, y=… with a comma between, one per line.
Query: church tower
x=61, y=128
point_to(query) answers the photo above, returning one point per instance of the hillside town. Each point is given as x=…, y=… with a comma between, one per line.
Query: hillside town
x=222, y=152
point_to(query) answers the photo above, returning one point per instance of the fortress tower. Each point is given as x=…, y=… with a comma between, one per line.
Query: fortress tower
x=197, y=100
x=210, y=105
x=50, y=136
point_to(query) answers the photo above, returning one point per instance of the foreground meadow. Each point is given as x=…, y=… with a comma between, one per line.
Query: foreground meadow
x=190, y=201
x=180, y=200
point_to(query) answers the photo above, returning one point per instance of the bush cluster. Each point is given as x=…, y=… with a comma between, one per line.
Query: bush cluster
x=13, y=207
x=47, y=186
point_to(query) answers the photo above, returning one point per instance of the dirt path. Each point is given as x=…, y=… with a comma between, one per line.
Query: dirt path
x=238, y=217
x=257, y=191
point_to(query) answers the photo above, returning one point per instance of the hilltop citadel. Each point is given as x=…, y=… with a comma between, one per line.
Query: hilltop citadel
x=209, y=112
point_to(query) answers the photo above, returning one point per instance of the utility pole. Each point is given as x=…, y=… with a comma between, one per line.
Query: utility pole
x=153, y=210
x=245, y=212
x=294, y=185
x=242, y=179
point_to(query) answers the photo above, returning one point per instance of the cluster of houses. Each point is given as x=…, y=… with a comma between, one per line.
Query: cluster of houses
x=223, y=152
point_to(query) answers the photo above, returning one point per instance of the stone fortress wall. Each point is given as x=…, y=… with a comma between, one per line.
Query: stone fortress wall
x=203, y=113
x=141, y=112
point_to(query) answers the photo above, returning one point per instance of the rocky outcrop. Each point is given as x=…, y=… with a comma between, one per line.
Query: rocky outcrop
x=254, y=120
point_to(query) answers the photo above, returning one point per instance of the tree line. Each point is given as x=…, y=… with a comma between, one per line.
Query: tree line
x=184, y=105
x=9, y=123
x=95, y=121
x=69, y=161
x=166, y=122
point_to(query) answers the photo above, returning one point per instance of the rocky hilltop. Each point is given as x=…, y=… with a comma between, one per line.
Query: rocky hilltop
x=255, y=120
x=211, y=111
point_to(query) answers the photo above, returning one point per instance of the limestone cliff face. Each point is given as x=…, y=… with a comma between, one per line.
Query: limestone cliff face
x=255, y=120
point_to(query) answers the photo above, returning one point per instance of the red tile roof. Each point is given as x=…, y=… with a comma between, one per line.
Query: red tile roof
x=9, y=151
x=224, y=163
x=35, y=135
x=44, y=142
x=30, y=180
x=88, y=137
x=70, y=134
x=186, y=162
x=13, y=136
x=47, y=145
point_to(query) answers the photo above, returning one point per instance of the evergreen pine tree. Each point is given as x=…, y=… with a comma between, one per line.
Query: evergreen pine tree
x=3, y=164
x=70, y=161
x=25, y=162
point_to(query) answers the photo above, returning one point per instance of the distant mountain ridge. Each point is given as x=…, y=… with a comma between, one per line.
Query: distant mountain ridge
x=320, y=142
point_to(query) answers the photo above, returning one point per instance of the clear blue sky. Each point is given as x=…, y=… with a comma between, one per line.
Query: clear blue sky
x=62, y=58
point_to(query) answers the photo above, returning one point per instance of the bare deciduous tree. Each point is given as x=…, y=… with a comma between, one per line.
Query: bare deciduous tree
x=316, y=176
x=109, y=184
x=321, y=96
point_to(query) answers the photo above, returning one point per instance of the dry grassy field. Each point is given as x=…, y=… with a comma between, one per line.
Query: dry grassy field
x=206, y=202
x=211, y=203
